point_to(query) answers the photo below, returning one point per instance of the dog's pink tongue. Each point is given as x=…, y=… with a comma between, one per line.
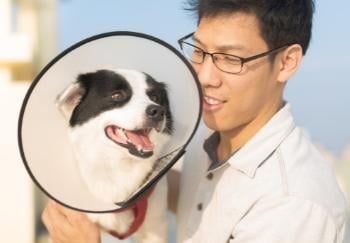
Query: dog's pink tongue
x=139, y=139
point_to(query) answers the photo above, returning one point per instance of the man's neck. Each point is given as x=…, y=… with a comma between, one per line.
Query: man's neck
x=233, y=140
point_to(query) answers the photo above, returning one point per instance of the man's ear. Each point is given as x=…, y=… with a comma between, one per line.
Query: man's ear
x=289, y=62
x=69, y=99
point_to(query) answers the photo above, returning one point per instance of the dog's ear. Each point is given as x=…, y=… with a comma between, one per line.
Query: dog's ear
x=69, y=99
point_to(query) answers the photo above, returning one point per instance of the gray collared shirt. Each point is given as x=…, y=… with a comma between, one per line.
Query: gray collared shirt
x=276, y=188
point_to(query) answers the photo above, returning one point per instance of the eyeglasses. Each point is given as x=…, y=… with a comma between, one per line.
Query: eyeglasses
x=224, y=62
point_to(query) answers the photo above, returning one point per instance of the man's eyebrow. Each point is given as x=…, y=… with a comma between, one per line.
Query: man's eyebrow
x=223, y=48
x=195, y=39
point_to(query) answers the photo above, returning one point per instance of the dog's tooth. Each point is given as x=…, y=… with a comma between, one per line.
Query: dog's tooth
x=139, y=148
x=119, y=132
x=122, y=134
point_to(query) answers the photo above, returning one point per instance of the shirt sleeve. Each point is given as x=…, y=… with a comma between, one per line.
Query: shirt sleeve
x=287, y=220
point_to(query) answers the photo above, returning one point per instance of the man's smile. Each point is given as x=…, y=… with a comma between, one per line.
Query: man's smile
x=212, y=104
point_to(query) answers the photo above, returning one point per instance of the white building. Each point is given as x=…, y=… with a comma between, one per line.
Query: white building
x=26, y=26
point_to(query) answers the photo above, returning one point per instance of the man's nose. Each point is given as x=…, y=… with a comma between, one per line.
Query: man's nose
x=208, y=73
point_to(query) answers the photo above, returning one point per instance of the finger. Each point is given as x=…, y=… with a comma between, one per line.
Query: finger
x=59, y=222
x=45, y=219
x=51, y=224
x=72, y=216
x=54, y=212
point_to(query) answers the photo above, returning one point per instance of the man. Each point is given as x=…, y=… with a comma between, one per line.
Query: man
x=256, y=178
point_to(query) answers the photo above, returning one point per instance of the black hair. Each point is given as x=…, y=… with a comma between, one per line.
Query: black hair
x=281, y=22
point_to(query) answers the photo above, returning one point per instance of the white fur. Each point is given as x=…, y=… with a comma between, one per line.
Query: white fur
x=111, y=173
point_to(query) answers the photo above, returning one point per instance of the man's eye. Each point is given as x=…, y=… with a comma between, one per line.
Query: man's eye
x=231, y=60
x=197, y=52
x=118, y=95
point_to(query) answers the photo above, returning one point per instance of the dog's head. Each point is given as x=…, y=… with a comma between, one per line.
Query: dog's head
x=128, y=107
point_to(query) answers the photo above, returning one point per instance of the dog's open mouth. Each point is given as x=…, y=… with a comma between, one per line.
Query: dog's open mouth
x=137, y=142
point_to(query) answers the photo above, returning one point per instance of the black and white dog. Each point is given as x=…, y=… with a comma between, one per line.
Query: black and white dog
x=119, y=121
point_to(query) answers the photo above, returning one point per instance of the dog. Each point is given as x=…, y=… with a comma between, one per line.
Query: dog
x=119, y=120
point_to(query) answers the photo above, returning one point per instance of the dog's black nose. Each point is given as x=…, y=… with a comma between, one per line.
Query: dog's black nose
x=155, y=112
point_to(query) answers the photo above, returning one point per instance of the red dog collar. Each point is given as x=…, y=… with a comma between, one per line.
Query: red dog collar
x=139, y=209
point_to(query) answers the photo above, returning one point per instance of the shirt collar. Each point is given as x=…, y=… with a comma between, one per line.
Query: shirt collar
x=210, y=146
x=257, y=149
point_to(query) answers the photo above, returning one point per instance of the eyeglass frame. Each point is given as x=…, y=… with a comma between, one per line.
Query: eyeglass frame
x=243, y=60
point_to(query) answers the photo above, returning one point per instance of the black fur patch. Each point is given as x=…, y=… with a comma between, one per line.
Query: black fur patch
x=100, y=86
x=157, y=92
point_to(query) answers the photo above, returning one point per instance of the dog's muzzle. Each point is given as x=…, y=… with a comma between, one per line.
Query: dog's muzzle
x=155, y=113
x=138, y=141
x=155, y=117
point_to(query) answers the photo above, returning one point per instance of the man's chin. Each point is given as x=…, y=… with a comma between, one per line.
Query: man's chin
x=221, y=124
x=212, y=122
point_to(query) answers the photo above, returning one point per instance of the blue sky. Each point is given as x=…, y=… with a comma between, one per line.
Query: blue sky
x=319, y=93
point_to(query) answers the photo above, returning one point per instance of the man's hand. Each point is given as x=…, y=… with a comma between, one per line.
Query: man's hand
x=69, y=226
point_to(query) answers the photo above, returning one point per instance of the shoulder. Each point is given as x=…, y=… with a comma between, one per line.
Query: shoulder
x=307, y=221
x=308, y=176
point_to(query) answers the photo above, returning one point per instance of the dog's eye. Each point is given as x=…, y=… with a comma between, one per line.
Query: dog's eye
x=118, y=95
x=154, y=98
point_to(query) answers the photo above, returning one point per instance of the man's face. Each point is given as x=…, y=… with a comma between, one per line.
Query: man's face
x=234, y=100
